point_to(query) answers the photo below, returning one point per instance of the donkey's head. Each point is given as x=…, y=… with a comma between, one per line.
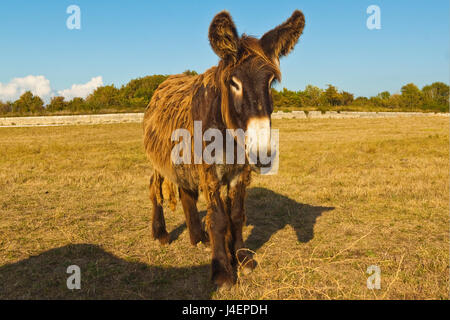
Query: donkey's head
x=248, y=68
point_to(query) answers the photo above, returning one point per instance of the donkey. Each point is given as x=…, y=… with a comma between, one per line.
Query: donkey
x=235, y=94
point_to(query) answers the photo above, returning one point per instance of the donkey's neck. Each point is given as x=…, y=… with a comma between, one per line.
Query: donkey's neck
x=206, y=102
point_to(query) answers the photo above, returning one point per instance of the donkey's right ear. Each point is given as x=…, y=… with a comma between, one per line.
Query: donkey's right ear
x=280, y=41
x=223, y=36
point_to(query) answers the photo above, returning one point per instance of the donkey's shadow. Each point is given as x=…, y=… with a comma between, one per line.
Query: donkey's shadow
x=106, y=276
x=268, y=212
x=102, y=276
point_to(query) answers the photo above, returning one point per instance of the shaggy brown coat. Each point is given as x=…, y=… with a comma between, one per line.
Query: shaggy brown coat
x=182, y=99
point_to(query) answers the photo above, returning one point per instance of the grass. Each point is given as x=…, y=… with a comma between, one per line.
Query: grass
x=349, y=194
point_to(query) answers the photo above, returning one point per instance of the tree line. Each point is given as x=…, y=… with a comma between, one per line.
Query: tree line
x=135, y=95
x=433, y=97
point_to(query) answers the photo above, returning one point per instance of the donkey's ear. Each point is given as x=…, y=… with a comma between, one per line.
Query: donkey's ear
x=280, y=41
x=223, y=36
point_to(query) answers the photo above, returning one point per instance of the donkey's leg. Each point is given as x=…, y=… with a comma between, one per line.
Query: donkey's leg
x=218, y=226
x=159, y=231
x=189, y=202
x=236, y=200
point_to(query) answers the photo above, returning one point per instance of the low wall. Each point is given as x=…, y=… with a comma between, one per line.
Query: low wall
x=72, y=120
x=349, y=114
x=137, y=117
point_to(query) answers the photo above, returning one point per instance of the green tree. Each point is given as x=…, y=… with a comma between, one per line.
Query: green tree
x=287, y=99
x=347, y=98
x=411, y=96
x=331, y=96
x=77, y=104
x=28, y=103
x=381, y=99
x=376, y=101
x=103, y=98
x=436, y=94
x=360, y=101
x=395, y=101
x=5, y=107
x=57, y=104
x=138, y=92
x=312, y=94
x=384, y=95
x=190, y=72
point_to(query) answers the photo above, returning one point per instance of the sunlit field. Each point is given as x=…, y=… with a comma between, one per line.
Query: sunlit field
x=349, y=194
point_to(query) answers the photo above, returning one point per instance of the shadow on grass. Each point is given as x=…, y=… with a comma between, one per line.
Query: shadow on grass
x=103, y=276
x=268, y=212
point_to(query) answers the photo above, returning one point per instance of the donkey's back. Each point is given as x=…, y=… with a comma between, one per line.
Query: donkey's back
x=168, y=110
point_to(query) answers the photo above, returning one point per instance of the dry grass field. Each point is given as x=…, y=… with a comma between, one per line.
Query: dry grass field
x=349, y=194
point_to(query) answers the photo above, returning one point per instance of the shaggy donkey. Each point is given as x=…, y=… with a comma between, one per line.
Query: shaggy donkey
x=235, y=94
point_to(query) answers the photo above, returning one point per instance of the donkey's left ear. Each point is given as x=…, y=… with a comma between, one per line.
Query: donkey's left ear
x=223, y=36
x=281, y=40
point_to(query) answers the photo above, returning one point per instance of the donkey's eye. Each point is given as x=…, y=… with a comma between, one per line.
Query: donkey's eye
x=236, y=85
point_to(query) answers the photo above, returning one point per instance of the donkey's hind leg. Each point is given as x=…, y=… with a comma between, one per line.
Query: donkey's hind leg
x=189, y=202
x=159, y=231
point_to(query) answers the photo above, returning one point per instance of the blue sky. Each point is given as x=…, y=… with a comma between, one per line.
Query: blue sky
x=122, y=40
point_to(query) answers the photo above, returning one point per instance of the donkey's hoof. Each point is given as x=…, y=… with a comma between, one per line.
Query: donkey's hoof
x=201, y=240
x=163, y=238
x=223, y=281
x=246, y=263
x=222, y=276
x=224, y=287
x=205, y=239
x=248, y=266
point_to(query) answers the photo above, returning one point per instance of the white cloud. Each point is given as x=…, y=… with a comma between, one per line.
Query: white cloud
x=38, y=85
x=81, y=90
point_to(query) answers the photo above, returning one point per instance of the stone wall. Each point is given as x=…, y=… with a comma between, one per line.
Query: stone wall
x=72, y=120
x=349, y=114
x=137, y=117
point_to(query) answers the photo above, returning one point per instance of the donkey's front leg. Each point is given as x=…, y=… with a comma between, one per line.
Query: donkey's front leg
x=236, y=200
x=189, y=201
x=218, y=226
